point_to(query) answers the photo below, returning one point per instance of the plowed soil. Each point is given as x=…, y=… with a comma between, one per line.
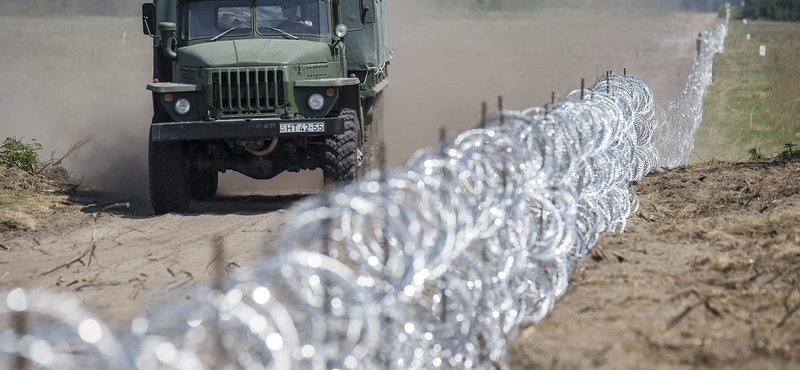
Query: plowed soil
x=707, y=275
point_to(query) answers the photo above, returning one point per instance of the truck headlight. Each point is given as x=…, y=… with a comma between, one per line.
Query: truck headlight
x=341, y=31
x=182, y=106
x=316, y=101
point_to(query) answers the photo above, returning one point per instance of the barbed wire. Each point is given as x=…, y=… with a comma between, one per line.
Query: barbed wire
x=432, y=264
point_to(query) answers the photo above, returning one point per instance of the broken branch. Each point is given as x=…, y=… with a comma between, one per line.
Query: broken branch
x=92, y=243
x=75, y=147
x=683, y=314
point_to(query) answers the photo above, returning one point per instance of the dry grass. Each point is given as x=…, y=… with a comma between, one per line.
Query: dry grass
x=26, y=199
x=23, y=212
x=786, y=90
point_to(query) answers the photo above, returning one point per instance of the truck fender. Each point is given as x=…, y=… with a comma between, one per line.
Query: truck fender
x=350, y=97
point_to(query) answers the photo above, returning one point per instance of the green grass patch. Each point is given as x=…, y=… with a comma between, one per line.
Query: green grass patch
x=754, y=101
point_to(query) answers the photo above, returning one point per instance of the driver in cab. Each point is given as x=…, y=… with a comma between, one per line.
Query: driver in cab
x=289, y=8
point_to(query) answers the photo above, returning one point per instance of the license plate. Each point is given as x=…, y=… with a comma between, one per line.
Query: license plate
x=288, y=128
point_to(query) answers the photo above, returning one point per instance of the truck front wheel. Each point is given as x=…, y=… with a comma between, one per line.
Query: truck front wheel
x=342, y=162
x=170, y=185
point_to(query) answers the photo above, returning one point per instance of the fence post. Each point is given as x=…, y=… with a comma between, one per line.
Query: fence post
x=20, y=322
x=583, y=87
x=500, y=108
x=483, y=115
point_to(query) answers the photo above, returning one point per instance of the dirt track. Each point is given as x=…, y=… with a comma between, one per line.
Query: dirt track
x=138, y=256
x=618, y=307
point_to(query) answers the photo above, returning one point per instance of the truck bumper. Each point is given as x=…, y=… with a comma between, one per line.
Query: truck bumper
x=259, y=128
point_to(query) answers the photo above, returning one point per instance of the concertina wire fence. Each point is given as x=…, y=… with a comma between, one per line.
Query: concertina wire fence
x=434, y=264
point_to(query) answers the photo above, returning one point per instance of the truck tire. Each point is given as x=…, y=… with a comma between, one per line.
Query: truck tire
x=341, y=162
x=170, y=187
x=204, y=185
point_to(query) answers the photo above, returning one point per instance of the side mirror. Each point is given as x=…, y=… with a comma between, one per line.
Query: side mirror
x=149, y=19
x=367, y=11
x=168, y=39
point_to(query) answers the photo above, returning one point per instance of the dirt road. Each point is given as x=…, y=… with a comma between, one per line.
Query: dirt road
x=138, y=257
x=619, y=312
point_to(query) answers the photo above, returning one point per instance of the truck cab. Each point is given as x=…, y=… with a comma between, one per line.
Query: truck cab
x=261, y=87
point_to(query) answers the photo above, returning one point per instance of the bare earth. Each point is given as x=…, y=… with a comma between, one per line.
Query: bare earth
x=704, y=276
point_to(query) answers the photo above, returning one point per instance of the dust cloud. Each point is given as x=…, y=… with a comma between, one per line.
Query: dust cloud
x=69, y=78
x=66, y=79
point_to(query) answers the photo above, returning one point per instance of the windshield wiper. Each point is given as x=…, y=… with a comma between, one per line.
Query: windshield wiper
x=282, y=32
x=217, y=37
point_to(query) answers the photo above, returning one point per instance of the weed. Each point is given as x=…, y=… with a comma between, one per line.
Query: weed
x=14, y=153
x=789, y=148
x=755, y=155
x=788, y=151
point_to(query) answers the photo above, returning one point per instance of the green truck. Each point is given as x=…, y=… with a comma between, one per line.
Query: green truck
x=261, y=87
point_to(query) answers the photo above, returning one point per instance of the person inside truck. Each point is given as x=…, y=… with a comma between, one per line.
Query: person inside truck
x=293, y=21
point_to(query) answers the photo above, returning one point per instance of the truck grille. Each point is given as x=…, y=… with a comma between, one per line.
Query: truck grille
x=188, y=75
x=316, y=71
x=247, y=91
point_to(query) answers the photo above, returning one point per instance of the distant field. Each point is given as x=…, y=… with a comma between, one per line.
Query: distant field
x=586, y=10
x=754, y=101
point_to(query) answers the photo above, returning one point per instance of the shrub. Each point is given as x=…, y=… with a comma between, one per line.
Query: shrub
x=777, y=10
x=14, y=153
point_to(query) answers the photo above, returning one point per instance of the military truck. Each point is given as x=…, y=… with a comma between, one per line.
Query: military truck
x=261, y=87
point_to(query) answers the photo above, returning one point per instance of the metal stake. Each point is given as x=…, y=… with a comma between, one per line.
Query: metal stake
x=219, y=276
x=383, y=162
x=219, y=263
x=500, y=108
x=21, y=328
x=384, y=240
x=327, y=235
x=483, y=115
x=583, y=87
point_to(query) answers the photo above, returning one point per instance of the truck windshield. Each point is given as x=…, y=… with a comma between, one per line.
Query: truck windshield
x=212, y=18
x=298, y=17
x=215, y=19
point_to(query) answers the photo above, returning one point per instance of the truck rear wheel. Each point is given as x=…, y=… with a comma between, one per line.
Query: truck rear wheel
x=204, y=184
x=342, y=162
x=170, y=187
